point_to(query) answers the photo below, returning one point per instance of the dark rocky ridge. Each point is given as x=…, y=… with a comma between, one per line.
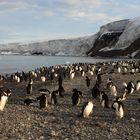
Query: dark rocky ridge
x=106, y=45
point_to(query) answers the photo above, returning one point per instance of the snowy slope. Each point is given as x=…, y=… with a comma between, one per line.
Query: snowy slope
x=130, y=34
x=69, y=47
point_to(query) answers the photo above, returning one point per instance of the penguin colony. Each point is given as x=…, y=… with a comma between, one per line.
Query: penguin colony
x=100, y=91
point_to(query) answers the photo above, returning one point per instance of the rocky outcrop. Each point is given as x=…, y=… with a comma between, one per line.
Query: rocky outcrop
x=118, y=39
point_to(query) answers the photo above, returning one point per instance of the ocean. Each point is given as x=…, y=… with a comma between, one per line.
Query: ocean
x=17, y=63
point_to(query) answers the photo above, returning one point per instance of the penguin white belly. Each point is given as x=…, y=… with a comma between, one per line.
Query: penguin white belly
x=72, y=76
x=138, y=86
x=103, y=103
x=3, y=102
x=113, y=91
x=87, y=110
x=132, y=90
x=43, y=78
x=120, y=112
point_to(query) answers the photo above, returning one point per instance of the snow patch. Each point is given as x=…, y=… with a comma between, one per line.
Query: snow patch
x=134, y=53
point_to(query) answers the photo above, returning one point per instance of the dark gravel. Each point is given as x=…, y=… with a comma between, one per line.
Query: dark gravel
x=21, y=122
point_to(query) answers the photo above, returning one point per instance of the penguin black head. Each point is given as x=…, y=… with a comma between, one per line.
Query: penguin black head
x=28, y=101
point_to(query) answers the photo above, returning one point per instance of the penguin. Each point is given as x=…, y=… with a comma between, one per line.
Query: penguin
x=28, y=101
x=87, y=109
x=95, y=91
x=4, y=95
x=122, y=98
x=82, y=73
x=87, y=81
x=139, y=100
x=109, y=83
x=138, y=85
x=43, y=101
x=61, y=91
x=24, y=76
x=104, y=100
x=72, y=75
x=53, y=97
x=113, y=90
x=99, y=78
x=43, y=78
x=75, y=97
x=119, y=108
x=60, y=81
x=130, y=87
x=119, y=69
x=29, y=87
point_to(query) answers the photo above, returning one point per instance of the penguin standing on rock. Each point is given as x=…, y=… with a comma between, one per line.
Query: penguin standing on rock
x=43, y=101
x=139, y=100
x=104, y=100
x=95, y=91
x=113, y=90
x=87, y=109
x=4, y=95
x=75, y=97
x=87, y=81
x=130, y=87
x=29, y=87
x=119, y=108
x=138, y=85
x=53, y=97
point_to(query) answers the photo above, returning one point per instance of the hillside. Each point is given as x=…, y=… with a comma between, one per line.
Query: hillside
x=116, y=39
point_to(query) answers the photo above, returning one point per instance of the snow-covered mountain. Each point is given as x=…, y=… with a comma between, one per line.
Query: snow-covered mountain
x=116, y=39
x=68, y=47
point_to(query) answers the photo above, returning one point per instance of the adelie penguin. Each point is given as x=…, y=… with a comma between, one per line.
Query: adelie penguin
x=87, y=109
x=53, y=97
x=76, y=97
x=139, y=100
x=138, y=85
x=4, y=95
x=87, y=81
x=104, y=100
x=119, y=108
x=95, y=91
x=29, y=87
x=43, y=101
x=130, y=87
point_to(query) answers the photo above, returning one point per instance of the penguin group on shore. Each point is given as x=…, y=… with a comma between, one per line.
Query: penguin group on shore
x=88, y=72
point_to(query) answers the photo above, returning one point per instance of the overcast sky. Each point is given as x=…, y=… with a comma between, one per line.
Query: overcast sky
x=30, y=20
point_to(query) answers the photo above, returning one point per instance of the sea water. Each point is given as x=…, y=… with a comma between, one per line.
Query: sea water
x=17, y=63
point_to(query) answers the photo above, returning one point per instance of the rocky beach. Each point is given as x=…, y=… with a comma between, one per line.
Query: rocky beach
x=61, y=121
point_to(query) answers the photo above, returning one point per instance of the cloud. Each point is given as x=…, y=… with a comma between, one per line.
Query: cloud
x=12, y=6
